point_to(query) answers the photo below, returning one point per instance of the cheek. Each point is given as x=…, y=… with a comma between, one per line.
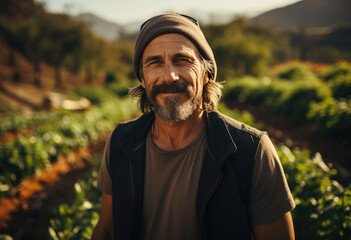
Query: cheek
x=197, y=78
x=150, y=79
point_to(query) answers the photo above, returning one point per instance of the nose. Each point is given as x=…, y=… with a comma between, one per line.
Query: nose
x=170, y=73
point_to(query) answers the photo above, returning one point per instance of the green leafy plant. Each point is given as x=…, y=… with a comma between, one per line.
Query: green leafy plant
x=332, y=116
x=25, y=156
x=18, y=122
x=77, y=219
x=335, y=71
x=341, y=87
x=295, y=72
x=95, y=95
x=323, y=206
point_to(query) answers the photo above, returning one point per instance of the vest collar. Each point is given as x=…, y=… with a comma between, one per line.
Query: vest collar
x=136, y=135
x=219, y=138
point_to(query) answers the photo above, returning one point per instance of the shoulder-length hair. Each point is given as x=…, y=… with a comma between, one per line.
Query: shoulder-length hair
x=211, y=93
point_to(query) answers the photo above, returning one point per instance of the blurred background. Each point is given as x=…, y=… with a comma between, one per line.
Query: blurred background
x=65, y=71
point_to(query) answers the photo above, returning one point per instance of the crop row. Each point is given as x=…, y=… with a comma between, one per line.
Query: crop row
x=16, y=122
x=26, y=156
x=19, y=122
x=303, y=101
x=323, y=208
x=77, y=219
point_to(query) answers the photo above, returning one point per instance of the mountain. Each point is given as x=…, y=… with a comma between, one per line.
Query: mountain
x=303, y=14
x=110, y=31
x=307, y=14
x=101, y=27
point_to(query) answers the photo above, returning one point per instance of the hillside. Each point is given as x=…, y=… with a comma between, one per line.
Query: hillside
x=101, y=27
x=107, y=30
x=308, y=13
x=303, y=14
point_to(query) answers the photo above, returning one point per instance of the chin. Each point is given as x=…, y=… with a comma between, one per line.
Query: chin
x=173, y=110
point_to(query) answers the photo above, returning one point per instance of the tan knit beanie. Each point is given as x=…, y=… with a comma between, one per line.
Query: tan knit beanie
x=172, y=23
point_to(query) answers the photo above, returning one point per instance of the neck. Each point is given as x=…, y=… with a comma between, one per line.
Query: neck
x=172, y=136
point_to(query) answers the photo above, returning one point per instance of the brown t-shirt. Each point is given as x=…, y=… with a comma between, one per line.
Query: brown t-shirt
x=170, y=180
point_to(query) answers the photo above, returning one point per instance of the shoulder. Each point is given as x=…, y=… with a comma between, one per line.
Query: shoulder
x=132, y=127
x=227, y=133
x=123, y=128
x=240, y=130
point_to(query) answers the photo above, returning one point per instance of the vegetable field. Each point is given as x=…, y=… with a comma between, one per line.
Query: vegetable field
x=305, y=93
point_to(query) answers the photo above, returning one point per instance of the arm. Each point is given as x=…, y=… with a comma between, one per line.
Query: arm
x=271, y=200
x=280, y=229
x=104, y=227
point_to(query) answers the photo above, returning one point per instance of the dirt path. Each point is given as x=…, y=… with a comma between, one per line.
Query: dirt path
x=25, y=214
x=335, y=152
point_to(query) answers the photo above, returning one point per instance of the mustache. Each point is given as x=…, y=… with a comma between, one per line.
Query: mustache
x=174, y=87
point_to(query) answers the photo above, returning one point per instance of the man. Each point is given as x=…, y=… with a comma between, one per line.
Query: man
x=183, y=170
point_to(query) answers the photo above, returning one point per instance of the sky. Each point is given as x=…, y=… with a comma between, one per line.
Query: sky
x=127, y=11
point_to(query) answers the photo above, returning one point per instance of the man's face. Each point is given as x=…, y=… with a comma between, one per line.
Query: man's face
x=173, y=76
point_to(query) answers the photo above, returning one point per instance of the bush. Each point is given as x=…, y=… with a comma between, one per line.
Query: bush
x=237, y=89
x=241, y=116
x=332, y=116
x=335, y=71
x=341, y=86
x=291, y=98
x=297, y=103
x=296, y=72
x=122, y=89
x=323, y=206
x=95, y=95
x=110, y=78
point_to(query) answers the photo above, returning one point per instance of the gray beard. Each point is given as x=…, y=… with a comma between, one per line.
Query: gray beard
x=173, y=111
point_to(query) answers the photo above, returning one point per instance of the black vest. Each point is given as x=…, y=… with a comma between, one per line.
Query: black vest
x=224, y=186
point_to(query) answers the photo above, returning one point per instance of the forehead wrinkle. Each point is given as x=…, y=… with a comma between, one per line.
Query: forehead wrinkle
x=171, y=43
x=172, y=53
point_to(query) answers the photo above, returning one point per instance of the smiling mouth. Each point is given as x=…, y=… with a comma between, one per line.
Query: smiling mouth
x=171, y=93
x=176, y=95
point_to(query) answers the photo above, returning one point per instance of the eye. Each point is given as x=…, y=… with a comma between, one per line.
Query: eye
x=183, y=60
x=154, y=62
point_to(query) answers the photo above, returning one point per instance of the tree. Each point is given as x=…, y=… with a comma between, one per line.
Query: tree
x=63, y=40
x=8, y=32
x=241, y=47
x=31, y=38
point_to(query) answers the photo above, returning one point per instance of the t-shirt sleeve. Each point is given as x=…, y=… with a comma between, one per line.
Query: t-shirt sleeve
x=104, y=182
x=270, y=194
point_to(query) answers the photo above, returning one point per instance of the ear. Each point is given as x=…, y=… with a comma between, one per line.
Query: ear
x=143, y=82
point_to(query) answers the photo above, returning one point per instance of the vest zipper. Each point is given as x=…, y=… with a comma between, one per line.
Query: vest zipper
x=212, y=190
x=208, y=196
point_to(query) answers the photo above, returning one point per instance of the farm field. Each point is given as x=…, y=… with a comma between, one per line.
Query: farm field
x=50, y=160
x=64, y=87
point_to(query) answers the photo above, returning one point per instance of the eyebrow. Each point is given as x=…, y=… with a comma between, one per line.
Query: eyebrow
x=177, y=55
x=184, y=55
x=151, y=58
